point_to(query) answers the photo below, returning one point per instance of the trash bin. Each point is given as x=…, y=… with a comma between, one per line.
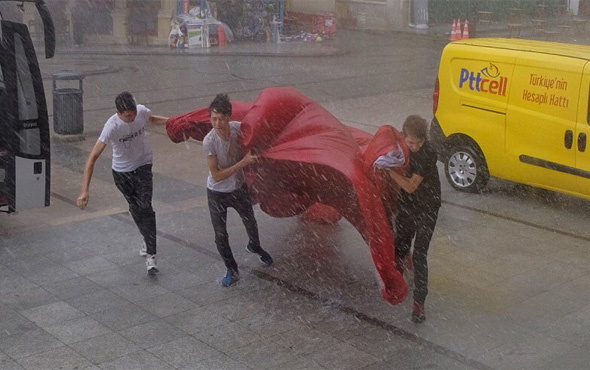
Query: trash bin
x=68, y=113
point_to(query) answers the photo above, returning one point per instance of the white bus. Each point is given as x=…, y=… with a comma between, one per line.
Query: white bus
x=25, y=160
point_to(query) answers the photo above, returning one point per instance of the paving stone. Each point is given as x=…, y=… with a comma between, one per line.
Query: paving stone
x=30, y=265
x=134, y=292
x=555, y=307
x=236, y=308
x=197, y=320
x=176, y=280
x=105, y=348
x=123, y=316
x=91, y=265
x=184, y=352
x=71, y=288
x=337, y=324
x=136, y=361
x=227, y=336
x=268, y=323
x=573, y=328
x=50, y=275
x=263, y=354
x=304, y=341
x=304, y=363
x=61, y=358
x=6, y=363
x=28, y=343
x=124, y=256
x=529, y=350
x=77, y=330
x=15, y=283
x=51, y=314
x=219, y=361
x=209, y=292
x=96, y=302
x=30, y=298
x=5, y=271
x=12, y=323
x=112, y=277
x=342, y=356
x=152, y=333
x=167, y=305
x=576, y=358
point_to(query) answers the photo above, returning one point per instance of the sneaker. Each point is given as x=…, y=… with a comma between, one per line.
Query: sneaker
x=143, y=250
x=231, y=277
x=263, y=256
x=150, y=263
x=418, y=313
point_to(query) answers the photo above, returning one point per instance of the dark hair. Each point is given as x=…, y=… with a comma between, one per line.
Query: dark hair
x=125, y=102
x=416, y=126
x=221, y=104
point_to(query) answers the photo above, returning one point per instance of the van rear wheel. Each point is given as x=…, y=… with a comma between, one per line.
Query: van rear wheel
x=466, y=169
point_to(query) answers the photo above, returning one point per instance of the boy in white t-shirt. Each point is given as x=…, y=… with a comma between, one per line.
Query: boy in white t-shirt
x=225, y=185
x=132, y=167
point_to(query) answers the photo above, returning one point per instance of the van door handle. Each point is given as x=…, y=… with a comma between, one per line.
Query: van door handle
x=569, y=139
x=582, y=142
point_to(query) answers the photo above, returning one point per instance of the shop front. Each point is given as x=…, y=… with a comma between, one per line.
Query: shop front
x=149, y=22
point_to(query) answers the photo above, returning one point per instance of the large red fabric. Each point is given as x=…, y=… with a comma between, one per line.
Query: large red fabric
x=306, y=156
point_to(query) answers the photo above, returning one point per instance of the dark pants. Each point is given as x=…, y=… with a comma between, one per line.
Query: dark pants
x=418, y=225
x=240, y=201
x=137, y=187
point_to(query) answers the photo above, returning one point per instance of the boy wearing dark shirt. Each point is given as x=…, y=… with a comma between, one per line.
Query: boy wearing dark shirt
x=419, y=203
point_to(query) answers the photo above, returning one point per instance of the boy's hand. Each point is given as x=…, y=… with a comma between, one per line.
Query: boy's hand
x=82, y=200
x=250, y=158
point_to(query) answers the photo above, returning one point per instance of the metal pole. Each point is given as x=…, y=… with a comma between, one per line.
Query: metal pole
x=281, y=14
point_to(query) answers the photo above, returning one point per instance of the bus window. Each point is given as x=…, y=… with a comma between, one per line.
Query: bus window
x=29, y=135
x=2, y=109
x=2, y=84
x=3, y=151
x=26, y=92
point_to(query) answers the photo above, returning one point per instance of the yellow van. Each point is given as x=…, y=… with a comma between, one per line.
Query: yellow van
x=514, y=109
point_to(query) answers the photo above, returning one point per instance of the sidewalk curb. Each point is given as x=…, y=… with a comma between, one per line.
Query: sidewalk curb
x=207, y=53
x=67, y=138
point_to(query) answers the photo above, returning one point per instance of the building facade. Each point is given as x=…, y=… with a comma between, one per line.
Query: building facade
x=148, y=21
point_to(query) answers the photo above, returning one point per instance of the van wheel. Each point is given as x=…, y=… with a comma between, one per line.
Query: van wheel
x=466, y=169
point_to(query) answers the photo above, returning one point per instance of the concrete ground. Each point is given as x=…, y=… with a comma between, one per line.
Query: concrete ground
x=505, y=292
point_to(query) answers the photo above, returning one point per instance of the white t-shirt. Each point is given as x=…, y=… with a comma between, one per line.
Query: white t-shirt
x=228, y=153
x=131, y=148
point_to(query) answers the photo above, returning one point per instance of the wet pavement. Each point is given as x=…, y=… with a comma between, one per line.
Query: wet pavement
x=507, y=286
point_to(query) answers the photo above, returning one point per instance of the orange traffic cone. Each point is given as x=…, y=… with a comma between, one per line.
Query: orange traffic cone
x=453, y=31
x=458, y=33
x=466, y=30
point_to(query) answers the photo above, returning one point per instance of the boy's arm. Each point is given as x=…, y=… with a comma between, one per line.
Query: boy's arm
x=82, y=200
x=409, y=184
x=220, y=175
x=158, y=120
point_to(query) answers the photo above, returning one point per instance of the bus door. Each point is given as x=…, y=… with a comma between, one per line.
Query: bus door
x=24, y=125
